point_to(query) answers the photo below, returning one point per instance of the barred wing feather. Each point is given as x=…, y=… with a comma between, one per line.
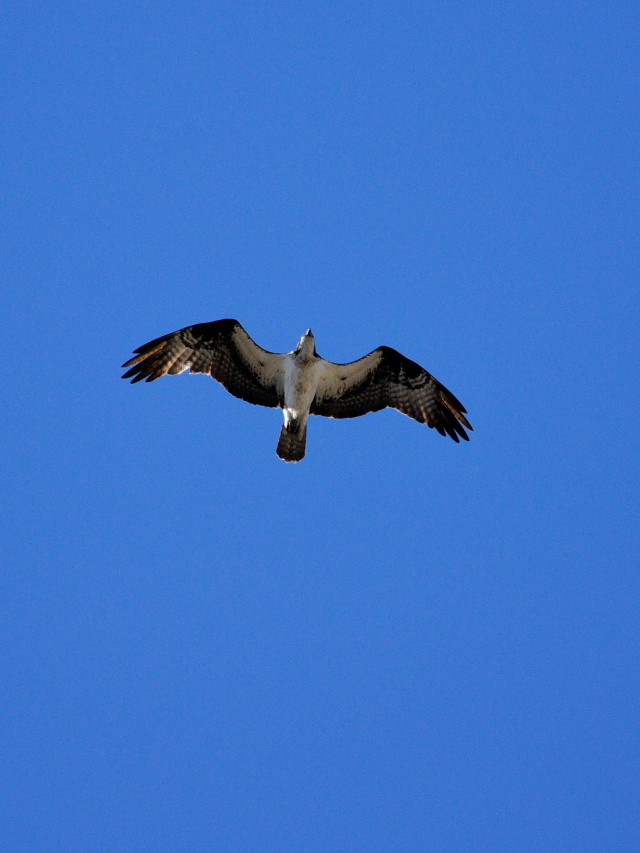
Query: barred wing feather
x=385, y=378
x=223, y=350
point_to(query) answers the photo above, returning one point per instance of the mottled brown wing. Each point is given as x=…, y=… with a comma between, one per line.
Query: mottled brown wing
x=383, y=379
x=223, y=350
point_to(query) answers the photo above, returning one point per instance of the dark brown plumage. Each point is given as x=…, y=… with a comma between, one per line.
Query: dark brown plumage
x=207, y=348
x=397, y=382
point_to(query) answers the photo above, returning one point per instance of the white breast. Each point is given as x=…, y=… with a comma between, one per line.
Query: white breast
x=300, y=383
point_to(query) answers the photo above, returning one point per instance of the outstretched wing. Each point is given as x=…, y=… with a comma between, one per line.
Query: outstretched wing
x=223, y=350
x=385, y=378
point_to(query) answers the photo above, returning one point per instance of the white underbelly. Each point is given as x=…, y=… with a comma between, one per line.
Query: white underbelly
x=300, y=383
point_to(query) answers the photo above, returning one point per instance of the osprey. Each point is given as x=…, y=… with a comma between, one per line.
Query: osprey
x=301, y=382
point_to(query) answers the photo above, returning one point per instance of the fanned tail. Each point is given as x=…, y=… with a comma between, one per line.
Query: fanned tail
x=292, y=446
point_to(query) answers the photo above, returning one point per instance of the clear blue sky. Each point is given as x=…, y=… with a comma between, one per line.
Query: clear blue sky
x=401, y=644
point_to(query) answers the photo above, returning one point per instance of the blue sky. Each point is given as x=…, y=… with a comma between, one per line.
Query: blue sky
x=400, y=644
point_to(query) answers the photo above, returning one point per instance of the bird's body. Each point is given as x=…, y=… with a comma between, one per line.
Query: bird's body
x=302, y=371
x=301, y=382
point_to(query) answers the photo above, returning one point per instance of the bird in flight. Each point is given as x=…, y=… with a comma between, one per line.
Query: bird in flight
x=301, y=382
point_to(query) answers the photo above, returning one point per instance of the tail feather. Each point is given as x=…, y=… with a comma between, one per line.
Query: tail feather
x=292, y=446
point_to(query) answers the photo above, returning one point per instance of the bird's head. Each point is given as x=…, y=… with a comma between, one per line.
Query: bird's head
x=307, y=344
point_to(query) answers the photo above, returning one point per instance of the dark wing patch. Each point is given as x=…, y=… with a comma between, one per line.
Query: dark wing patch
x=223, y=350
x=397, y=382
